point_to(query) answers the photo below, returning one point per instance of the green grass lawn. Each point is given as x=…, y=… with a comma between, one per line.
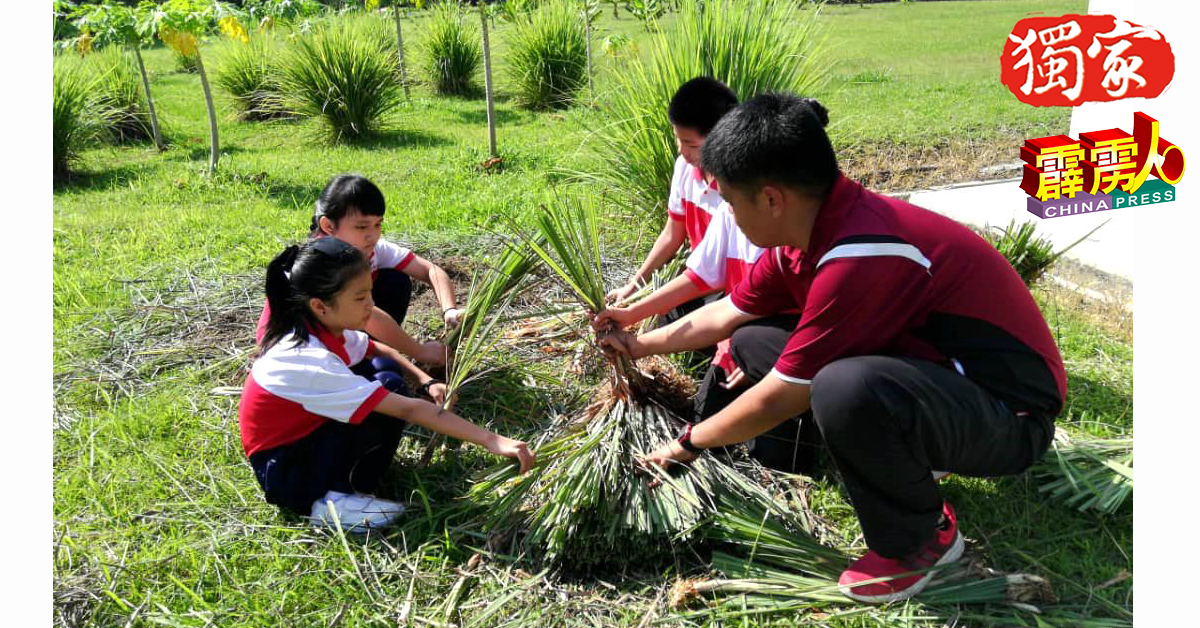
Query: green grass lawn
x=158, y=519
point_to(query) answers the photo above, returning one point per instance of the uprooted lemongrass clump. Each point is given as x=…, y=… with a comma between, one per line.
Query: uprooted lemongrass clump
x=590, y=499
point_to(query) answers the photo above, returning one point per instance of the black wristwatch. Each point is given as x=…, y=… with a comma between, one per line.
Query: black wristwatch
x=424, y=388
x=685, y=440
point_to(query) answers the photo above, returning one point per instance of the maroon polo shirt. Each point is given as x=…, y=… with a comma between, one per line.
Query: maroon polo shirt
x=884, y=277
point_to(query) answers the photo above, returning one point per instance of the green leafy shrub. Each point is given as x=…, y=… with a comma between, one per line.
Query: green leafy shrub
x=752, y=45
x=1030, y=254
x=452, y=51
x=344, y=79
x=548, y=55
x=184, y=63
x=249, y=73
x=75, y=122
x=118, y=97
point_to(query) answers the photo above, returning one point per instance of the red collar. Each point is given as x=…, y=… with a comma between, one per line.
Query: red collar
x=698, y=175
x=337, y=345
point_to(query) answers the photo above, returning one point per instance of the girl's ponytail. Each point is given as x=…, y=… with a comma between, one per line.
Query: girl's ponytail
x=320, y=269
x=281, y=298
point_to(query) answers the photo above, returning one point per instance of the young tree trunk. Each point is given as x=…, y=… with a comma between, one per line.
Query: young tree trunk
x=487, y=82
x=212, y=115
x=137, y=53
x=587, y=29
x=400, y=47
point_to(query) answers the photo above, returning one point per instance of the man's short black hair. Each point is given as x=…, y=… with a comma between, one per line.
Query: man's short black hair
x=773, y=138
x=699, y=103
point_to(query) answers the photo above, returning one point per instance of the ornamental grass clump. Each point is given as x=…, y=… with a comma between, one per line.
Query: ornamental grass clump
x=118, y=97
x=548, y=55
x=75, y=122
x=752, y=46
x=1030, y=254
x=344, y=79
x=250, y=74
x=589, y=501
x=451, y=51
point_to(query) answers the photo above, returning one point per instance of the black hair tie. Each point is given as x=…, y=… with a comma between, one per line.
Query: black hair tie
x=331, y=246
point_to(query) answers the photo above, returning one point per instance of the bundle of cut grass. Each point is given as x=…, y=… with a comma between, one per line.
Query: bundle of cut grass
x=589, y=501
x=548, y=55
x=751, y=45
x=452, y=52
x=1089, y=474
x=118, y=98
x=249, y=73
x=345, y=79
x=780, y=569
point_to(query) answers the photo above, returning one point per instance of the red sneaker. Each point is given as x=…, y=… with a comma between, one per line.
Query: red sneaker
x=945, y=547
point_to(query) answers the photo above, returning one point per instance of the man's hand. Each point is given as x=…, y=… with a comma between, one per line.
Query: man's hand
x=669, y=455
x=616, y=295
x=432, y=353
x=502, y=446
x=619, y=342
x=452, y=316
x=613, y=317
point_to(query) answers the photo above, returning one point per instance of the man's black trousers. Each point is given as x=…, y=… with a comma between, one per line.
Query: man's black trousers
x=887, y=422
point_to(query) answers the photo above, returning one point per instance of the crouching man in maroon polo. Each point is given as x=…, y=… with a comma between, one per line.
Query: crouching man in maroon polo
x=918, y=348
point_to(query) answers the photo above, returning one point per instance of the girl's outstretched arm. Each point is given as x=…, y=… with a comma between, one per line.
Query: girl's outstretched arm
x=430, y=416
x=432, y=274
x=385, y=328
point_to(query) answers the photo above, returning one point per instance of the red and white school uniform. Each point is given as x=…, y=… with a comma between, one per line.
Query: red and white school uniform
x=385, y=255
x=390, y=255
x=693, y=201
x=295, y=387
x=721, y=261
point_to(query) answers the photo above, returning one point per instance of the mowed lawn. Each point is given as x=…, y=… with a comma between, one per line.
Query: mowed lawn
x=158, y=519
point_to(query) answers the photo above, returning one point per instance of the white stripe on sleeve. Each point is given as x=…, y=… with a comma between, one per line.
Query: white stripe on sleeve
x=876, y=249
x=729, y=300
x=790, y=379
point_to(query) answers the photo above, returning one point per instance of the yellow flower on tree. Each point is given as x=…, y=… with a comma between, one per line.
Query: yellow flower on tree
x=183, y=43
x=234, y=29
x=371, y=5
x=85, y=43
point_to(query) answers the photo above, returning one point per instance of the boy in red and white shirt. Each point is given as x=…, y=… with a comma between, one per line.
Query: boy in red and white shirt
x=716, y=266
x=694, y=199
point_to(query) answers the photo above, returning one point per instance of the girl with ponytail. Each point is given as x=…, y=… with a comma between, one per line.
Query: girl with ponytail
x=323, y=408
